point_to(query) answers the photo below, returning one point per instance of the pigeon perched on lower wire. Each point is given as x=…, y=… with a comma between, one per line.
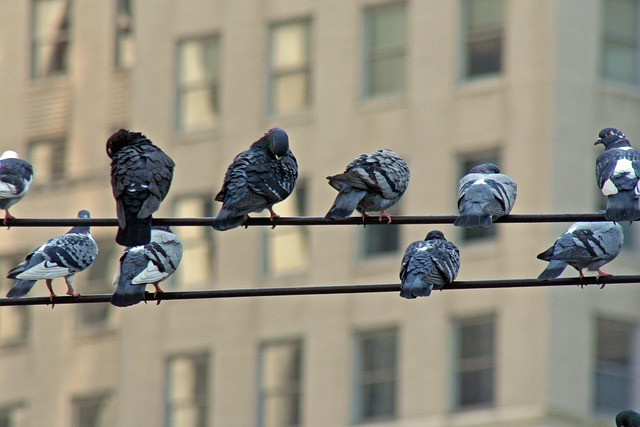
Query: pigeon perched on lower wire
x=430, y=263
x=146, y=265
x=617, y=175
x=484, y=195
x=628, y=418
x=370, y=183
x=141, y=175
x=589, y=245
x=258, y=178
x=62, y=256
x=16, y=176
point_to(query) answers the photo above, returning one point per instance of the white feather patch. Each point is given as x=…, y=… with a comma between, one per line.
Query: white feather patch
x=609, y=188
x=151, y=274
x=44, y=270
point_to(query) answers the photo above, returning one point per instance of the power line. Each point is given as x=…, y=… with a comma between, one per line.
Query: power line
x=305, y=221
x=325, y=290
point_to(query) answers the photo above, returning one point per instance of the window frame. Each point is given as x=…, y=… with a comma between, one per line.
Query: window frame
x=468, y=37
x=201, y=402
x=37, y=42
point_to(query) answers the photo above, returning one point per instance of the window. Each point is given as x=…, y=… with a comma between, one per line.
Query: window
x=383, y=239
x=280, y=385
x=616, y=365
x=466, y=162
x=375, y=376
x=13, y=416
x=620, y=41
x=50, y=37
x=483, y=37
x=474, y=354
x=287, y=248
x=125, y=54
x=289, y=70
x=385, y=42
x=14, y=320
x=187, y=391
x=198, y=103
x=196, y=267
x=93, y=411
x=48, y=159
x=98, y=280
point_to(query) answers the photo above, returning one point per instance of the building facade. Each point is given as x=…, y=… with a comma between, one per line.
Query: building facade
x=526, y=84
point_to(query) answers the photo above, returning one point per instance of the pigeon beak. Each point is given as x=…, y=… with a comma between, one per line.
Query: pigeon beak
x=598, y=142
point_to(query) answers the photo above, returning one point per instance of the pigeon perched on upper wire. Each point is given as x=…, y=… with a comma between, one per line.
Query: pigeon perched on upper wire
x=146, y=265
x=617, y=172
x=430, y=263
x=370, y=183
x=62, y=256
x=141, y=175
x=589, y=244
x=484, y=195
x=628, y=418
x=16, y=176
x=258, y=178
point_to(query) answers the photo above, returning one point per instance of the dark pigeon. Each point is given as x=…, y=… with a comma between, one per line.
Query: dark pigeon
x=484, y=195
x=430, y=263
x=617, y=172
x=16, y=176
x=587, y=245
x=62, y=256
x=258, y=178
x=146, y=265
x=370, y=183
x=628, y=418
x=141, y=175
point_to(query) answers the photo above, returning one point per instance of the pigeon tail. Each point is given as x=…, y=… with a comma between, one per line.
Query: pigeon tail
x=20, y=288
x=474, y=219
x=413, y=287
x=553, y=270
x=137, y=231
x=227, y=219
x=127, y=294
x=345, y=204
x=622, y=206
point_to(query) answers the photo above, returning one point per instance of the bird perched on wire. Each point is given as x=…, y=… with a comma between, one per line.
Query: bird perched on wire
x=147, y=264
x=258, y=178
x=141, y=175
x=589, y=244
x=628, y=418
x=484, y=195
x=370, y=183
x=617, y=174
x=16, y=176
x=430, y=263
x=62, y=256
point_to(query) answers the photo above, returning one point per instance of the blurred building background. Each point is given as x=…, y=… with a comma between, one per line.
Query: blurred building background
x=447, y=84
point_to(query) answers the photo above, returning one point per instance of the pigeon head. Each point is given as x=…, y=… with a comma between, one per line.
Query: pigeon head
x=611, y=137
x=81, y=229
x=485, y=168
x=162, y=228
x=9, y=155
x=627, y=418
x=123, y=138
x=278, y=141
x=435, y=235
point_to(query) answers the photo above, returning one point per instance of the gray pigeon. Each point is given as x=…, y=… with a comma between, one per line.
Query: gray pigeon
x=370, y=183
x=258, y=178
x=617, y=172
x=146, y=265
x=432, y=262
x=16, y=176
x=587, y=245
x=141, y=175
x=62, y=256
x=628, y=418
x=484, y=195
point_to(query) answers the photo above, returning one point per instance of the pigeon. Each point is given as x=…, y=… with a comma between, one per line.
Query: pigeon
x=617, y=172
x=146, y=265
x=484, y=195
x=370, y=183
x=62, y=256
x=432, y=262
x=141, y=175
x=258, y=178
x=589, y=245
x=628, y=418
x=16, y=176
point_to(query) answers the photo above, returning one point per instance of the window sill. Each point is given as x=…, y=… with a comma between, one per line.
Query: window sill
x=481, y=85
x=382, y=103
